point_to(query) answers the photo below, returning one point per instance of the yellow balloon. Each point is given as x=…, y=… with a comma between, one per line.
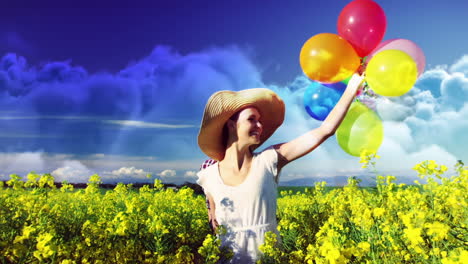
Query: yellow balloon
x=391, y=73
x=328, y=58
x=361, y=129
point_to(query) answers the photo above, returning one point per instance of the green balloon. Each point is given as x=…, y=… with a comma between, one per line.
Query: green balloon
x=361, y=129
x=346, y=81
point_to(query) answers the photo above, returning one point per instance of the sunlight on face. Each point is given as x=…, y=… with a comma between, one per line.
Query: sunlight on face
x=249, y=111
x=249, y=127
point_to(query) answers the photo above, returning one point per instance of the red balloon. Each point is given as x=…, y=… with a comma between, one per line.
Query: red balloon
x=362, y=23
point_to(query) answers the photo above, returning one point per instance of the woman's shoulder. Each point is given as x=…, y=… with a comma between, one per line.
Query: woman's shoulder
x=269, y=152
x=207, y=163
x=206, y=175
x=268, y=158
x=208, y=167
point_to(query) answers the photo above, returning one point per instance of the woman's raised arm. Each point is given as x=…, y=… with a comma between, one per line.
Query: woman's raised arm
x=307, y=142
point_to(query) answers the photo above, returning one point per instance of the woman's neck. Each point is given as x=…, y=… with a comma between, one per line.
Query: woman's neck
x=236, y=155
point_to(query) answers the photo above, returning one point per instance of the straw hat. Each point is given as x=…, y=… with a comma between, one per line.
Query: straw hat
x=223, y=104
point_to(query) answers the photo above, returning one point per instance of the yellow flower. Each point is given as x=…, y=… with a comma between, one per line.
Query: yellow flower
x=438, y=230
x=435, y=251
x=464, y=256
x=27, y=230
x=364, y=246
x=413, y=235
x=407, y=257
x=44, y=248
x=378, y=212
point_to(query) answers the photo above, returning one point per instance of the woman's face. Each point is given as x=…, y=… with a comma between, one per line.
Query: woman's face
x=249, y=127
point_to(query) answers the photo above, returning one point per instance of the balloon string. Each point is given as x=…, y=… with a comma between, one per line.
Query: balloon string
x=362, y=70
x=362, y=66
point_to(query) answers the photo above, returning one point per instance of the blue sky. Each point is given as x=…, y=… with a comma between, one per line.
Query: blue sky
x=119, y=90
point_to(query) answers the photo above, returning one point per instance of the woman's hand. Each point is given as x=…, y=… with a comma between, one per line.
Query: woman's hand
x=214, y=225
x=211, y=213
x=356, y=82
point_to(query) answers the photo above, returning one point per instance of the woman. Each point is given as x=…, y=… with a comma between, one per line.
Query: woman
x=242, y=186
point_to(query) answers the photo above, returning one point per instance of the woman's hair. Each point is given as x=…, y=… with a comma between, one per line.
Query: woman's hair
x=225, y=136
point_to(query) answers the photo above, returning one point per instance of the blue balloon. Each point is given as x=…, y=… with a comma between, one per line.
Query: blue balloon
x=319, y=98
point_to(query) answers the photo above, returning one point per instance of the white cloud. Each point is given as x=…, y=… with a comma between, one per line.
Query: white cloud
x=167, y=173
x=111, y=168
x=431, y=80
x=425, y=111
x=454, y=91
x=72, y=171
x=132, y=172
x=190, y=174
x=142, y=124
x=461, y=65
x=390, y=110
x=291, y=176
x=398, y=132
x=394, y=157
x=22, y=163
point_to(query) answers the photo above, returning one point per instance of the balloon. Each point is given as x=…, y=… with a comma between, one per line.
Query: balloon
x=319, y=99
x=404, y=45
x=346, y=81
x=361, y=129
x=328, y=58
x=362, y=23
x=391, y=73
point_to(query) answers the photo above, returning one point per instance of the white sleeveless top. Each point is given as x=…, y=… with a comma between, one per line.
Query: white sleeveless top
x=248, y=210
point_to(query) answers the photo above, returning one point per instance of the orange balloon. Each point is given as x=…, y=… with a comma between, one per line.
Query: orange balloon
x=328, y=58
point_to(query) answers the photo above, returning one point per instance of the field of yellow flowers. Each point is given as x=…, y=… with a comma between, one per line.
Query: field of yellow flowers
x=392, y=223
